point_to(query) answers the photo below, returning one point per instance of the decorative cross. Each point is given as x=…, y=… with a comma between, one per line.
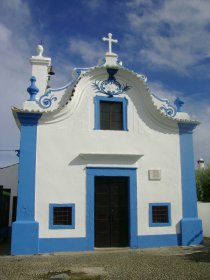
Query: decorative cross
x=110, y=40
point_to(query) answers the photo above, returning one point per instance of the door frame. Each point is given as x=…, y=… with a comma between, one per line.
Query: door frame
x=132, y=200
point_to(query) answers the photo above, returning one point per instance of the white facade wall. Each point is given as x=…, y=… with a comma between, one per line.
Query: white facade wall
x=9, y=180
x=67, y=143
x=203, y=214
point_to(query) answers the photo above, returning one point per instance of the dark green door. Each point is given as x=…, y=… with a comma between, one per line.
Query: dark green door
x=111, y=212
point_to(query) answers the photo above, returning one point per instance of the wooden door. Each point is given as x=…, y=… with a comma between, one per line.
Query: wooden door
x=111, y=212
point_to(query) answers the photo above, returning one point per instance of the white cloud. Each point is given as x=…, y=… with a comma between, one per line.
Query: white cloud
x=14, y=71
x=16, y=6
x=93, y=4
x=172, y=34
x=96, y=5
x=5, y=35
x=89, y=51
x=161, y=91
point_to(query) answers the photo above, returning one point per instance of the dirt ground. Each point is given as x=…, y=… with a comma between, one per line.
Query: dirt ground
x=181, y=263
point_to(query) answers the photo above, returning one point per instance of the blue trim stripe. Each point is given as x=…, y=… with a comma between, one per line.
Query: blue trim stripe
x=25, y=229
x=27, y=166
x=189, y=197
x=151, y=223
x=121, y=172
x=25, y=238
x=162, y=240
x=192, y=233
x=191, y=226
x=50, y=245
x=123, y=100
x=51, y=207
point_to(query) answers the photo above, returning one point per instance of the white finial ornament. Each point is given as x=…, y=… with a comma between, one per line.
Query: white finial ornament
x=110, y=40
x=40, y=50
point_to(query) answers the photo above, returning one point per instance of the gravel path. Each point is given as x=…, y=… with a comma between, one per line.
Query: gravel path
x=125, y=264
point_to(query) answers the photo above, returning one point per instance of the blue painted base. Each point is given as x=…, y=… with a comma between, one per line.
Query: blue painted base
x=191, y=230
x=24, y=242
x=25, y=238
x=155, y=241
x=49, y=245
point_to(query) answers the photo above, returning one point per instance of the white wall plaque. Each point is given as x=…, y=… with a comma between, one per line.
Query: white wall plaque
x=155, y=175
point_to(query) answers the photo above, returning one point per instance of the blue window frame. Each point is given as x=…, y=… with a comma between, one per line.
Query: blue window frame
x=99, y=99
x=159, y=214
x=62, y=216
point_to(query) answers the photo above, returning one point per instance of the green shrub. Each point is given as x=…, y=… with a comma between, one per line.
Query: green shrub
x=203, y=184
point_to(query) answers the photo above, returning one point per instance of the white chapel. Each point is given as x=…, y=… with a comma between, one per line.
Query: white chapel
x=103, y=163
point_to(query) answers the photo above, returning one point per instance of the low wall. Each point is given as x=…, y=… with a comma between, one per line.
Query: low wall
x=204, y=215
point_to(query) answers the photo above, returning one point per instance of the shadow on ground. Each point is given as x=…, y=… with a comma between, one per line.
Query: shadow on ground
x=200, y=256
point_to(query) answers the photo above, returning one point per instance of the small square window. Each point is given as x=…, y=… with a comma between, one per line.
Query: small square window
x=111, y=117
x=62, y=216
x=159, y=214
x=110, y=113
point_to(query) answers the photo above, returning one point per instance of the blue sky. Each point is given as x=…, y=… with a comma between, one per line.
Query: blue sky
x=168, y=41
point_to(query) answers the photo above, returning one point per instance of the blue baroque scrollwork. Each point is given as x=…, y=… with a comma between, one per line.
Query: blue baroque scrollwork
x=168, y=111
x=166, y=107
x=142, y=77
x=111, y=86
x=45, y=101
